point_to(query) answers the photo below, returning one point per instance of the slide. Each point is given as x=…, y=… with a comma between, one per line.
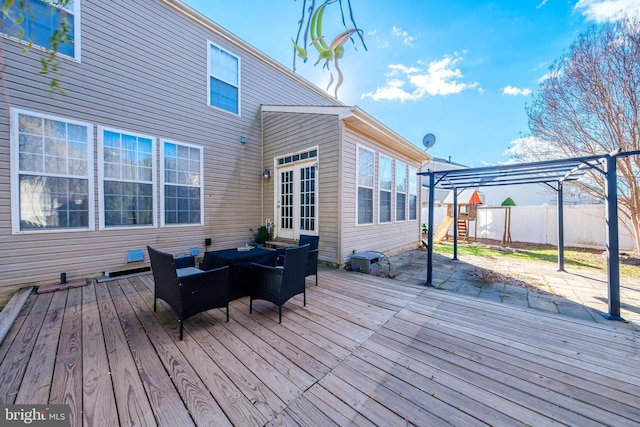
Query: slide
x=443, y=229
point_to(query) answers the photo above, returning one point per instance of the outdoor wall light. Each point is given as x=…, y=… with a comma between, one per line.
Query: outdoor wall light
x=243, y=139
x=266, y=173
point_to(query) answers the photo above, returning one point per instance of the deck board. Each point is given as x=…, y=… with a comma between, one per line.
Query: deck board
x=200, y=403
x=15, y=327
x=168, y=407
x=124, y=373
x=364, y=351
x=536, y=338
x=15, y=363
x=534, y=370
x=39, y=372
x=66, y=386
x=99, y=403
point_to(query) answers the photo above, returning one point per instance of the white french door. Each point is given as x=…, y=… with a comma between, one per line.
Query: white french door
x=297, y=208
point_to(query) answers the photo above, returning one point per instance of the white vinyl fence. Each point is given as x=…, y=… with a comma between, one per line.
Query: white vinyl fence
x=584, y=225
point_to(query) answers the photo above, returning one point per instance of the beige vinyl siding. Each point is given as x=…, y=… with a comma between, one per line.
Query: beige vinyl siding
x=144, y=70
x=287, y=133
x=387, y=237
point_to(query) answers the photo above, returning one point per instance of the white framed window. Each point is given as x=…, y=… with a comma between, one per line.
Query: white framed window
x=365, y=183
x=385, y=182
x=126, y=170
x=36, y=21
x=413, y=194
x=51, y=173
x=223, y=79
x=181, y=183
x=401, y=191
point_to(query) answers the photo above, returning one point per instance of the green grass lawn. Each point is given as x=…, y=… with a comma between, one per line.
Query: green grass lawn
x=574, y=257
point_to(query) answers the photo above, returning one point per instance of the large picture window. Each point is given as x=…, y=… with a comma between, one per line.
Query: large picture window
x=401, y=191
x=224, y=79
x=181, y=183
x=366, y=167
x=127, y=189
x=413, y=193
x=385, y=173
x=36, y=21
x=52, y=172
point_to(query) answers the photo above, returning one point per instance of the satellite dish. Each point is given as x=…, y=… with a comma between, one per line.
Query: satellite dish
x=428, y=140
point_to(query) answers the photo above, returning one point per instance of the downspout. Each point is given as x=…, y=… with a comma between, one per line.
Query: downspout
x=340, y=143
x=261, y=165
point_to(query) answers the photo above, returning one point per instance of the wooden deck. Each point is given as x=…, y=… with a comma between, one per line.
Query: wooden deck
x=364, y=351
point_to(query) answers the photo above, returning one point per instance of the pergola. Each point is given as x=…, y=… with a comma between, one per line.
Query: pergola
x=553, y=173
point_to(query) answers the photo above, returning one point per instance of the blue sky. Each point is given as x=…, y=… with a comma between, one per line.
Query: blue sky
x=463, y=70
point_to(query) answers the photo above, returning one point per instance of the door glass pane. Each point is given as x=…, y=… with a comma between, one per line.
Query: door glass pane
x=307, y=198
x=286, y=200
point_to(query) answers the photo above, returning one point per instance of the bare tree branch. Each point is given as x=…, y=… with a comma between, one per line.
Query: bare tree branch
x=590, y=104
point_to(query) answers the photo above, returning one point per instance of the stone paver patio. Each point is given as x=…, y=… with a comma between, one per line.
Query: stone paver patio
x=580, y=293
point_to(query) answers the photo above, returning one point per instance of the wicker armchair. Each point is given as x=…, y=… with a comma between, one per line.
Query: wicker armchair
x=312, y=258
x=279, y=284
x=191, y=294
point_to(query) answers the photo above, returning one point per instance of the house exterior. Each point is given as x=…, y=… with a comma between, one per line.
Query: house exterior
x=162, y=138
x=364, y=173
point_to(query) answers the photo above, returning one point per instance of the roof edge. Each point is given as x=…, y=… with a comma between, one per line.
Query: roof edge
x=389, y=133
x=373, y=126
x=342, y=111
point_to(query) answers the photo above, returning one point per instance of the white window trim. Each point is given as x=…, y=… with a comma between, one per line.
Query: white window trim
x=15, y=173
x=209, y=44
x=380, y=190
x=100, y=158
x=396, y=192
x=77, y=43
x=413, y=175
x=373, y=188
x=162, y=183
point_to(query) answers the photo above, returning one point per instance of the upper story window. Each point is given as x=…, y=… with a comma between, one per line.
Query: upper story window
x=385, y=173
x=51, y=172
x=224, y=79
x=365, y=183
x=126, y=168
x=413, y=193
x=401, y=191
x=182, y=170
x=38, y=21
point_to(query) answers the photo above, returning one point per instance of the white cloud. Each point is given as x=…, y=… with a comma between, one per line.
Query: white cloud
x=607, y=10
x=551, y=74
x=531, y=149
x=515, y=91
x=441, y=77
x=406, y=38
x=545, y=77
x=399, y=68
x=542, y=3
